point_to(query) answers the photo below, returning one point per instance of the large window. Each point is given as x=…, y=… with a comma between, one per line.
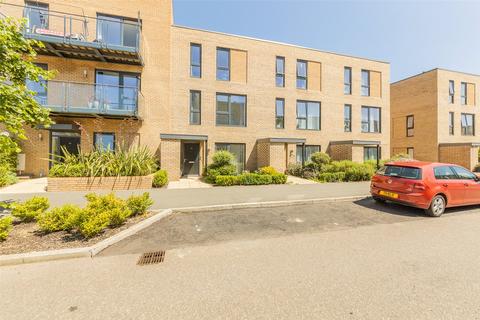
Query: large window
x=451, y=123
x=104, y=141
x=365, y=83
x=370, y=153
x=223, y=64
x=195, y=107
x=347, y=118
x=231, y=110
x=238, y=150
x=301, y=74
x=463, y=93
x=279, y=113
x=309, y=150
x=117, y=90
x=280, y=72
x=410, y=125
x=117, y=31
x=451, y=91
x=347, y=80
x=195, y=60
x=308, y=115
x=371, y=119
x=468, y=124
x=40, y=87
x=37, y=15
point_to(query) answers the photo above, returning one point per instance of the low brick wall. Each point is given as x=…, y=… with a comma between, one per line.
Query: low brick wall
x=99, y=183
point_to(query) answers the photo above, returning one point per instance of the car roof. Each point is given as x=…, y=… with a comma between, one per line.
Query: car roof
x=418, y=164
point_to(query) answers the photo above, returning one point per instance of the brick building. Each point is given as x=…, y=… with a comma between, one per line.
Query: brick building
x=433, y=117
x=129, y=76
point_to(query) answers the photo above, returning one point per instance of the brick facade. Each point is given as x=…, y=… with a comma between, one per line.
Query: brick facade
x=99, y=183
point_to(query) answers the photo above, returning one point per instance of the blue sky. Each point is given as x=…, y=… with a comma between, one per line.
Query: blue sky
x=414, y=36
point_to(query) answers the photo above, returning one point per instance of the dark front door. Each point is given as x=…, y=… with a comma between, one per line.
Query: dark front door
x=191, y=159
x=69, y=141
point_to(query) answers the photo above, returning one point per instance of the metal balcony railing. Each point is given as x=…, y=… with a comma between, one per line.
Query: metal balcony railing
x=93, y=99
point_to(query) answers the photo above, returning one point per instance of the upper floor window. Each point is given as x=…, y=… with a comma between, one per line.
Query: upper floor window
x=308, y=115
x=36, y=15
x=280, y=72
x=40, y=87
x=223, y=64
x=279, y=113
x=195, y=60
x=195, y=107
x=468, y=124
x=301, y=74
x=410, y=125
x=117, y=31
x=463, y=93
x=347, y=80
x=104, y=141
x=451, y=91
x=116, y=90
x=451, y=123
x=347, y=118
x=365, y=83
x=231, y=110
x=371, y=119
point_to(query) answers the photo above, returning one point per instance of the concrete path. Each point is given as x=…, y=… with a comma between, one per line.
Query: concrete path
x=29, y=186
x=420, y=269
x=297, y=180
x=180, y=198
x=188, y=183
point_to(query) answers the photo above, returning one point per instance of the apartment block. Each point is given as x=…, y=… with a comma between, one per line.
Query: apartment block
x=128, y=76
x=433, y=117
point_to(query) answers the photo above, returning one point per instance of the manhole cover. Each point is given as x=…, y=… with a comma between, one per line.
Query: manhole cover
x=151, y=258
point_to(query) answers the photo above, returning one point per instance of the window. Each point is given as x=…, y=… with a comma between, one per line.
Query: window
x=309, y=150
x=464, y=174
x=371, y=119
x=279, y=113
x=117, y=31
x=468, y=124
x=410, y=125
x=195, y=107
x=451, y=123
x=223, y=64
x=37, y=15
x=308, y=115
x=347, y=80
x=195, y=60
x=444, y=173
x=410, y=152
x=463, y=93
x=365, y=83
x=104, y=141
x=231, y=110
x=347, y=118
x=280, y=72
x=117, y=90
x=451, y=91
x=370, y=153
x=301, y=74
x=401, y=172
x=238, y=150
x=40, y=87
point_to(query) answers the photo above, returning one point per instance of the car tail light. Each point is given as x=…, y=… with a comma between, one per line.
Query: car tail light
x=419, y=186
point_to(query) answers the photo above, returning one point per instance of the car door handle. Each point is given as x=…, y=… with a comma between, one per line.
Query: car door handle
x=465, y=184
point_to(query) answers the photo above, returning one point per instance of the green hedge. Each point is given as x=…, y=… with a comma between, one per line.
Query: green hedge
x=331, y=177
x=160, y=179
x=251, y=179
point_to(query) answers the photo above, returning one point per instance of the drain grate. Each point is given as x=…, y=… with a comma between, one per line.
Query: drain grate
x=151, y=258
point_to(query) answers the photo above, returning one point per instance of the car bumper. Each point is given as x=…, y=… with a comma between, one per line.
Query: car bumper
x=418, y=200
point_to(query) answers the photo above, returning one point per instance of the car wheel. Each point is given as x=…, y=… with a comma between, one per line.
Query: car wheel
x=437, y=207
x=379, y=200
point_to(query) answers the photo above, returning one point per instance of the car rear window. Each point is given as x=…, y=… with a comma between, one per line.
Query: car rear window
x=401, y=172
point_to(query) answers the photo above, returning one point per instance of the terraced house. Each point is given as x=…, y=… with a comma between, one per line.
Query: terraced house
x=433, y=117
x=127, y=75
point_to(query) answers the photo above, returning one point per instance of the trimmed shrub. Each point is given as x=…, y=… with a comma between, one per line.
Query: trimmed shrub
x=251, y=179
x=331, y=177
x=359, y=173
x=108, y=205
x=30, y=209
x=320, y=158
x=227, y=180
x=223, y=165
x=160, y=179
x=5, y=227
x=254, y=179
x=61, y=218
x=267, y=170
x=222, y=158
x=295, y=169
x=139, y=204
x=7, y=176
x=279, y=178
x=92, y=223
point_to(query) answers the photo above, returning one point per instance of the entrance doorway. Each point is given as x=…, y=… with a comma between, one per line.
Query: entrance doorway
x=64, y=140
x=191, y=159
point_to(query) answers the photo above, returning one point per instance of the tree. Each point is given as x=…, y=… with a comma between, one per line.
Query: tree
x=18, y=107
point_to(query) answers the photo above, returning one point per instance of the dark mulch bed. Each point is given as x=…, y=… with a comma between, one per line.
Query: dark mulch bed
x=26, y=237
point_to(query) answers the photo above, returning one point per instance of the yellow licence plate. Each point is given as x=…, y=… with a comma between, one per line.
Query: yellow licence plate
x=388, y=194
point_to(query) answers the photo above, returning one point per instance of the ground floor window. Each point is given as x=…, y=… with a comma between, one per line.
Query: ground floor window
x=104, y=141
x=237, y=149
x=61, y=141
x=370, y=153
x=309, y=150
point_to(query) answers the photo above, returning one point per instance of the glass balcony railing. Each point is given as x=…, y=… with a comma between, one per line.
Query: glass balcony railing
x=84, y=99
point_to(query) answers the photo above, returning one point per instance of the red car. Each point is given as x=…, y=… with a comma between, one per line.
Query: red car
x=426, y=185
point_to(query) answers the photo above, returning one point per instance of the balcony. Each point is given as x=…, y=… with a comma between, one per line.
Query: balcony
x=102, y=38
x=81, y=99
